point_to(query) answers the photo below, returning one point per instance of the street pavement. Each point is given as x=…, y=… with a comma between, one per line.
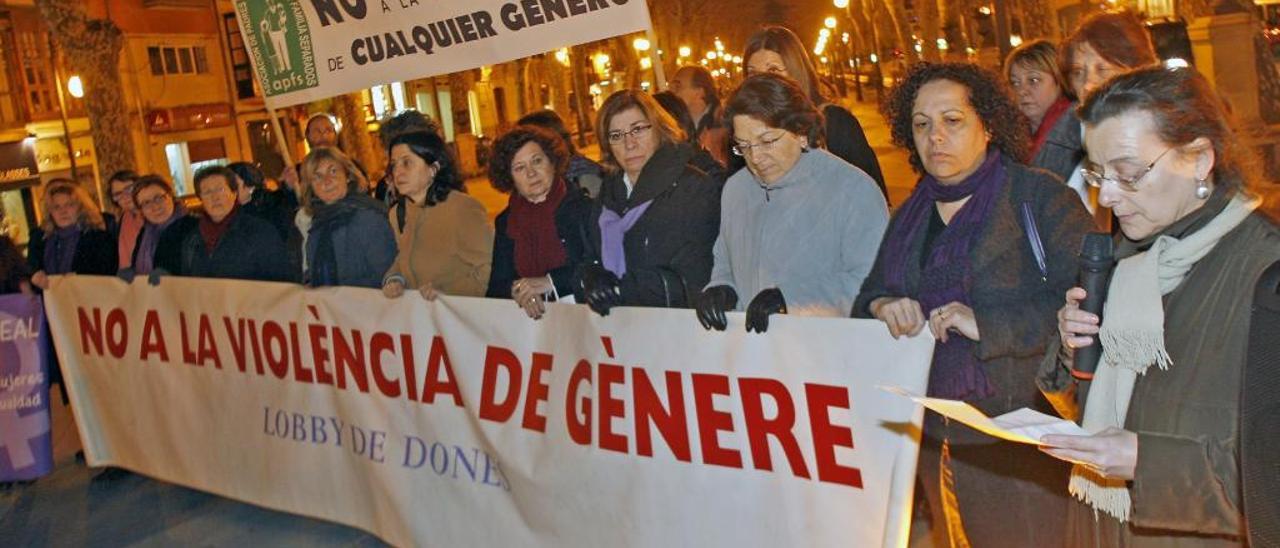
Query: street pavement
x=69, y=508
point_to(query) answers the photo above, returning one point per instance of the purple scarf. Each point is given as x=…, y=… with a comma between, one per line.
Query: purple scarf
x=145, y=259
x=60, y=249
x=613, y=230
x=956, y=372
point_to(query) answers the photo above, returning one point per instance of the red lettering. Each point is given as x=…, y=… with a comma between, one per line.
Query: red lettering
x=188, y=354
x=491, y=409
x=347, y=360
x=208, y=348
x=780, y=427
x=378, y=344
x=827, y=436
x=438, y=362
x=610, y=407
x=236, y=336
x=300, y=373
x=152, y=338
x=319, y=353
x=578, y=411
x=410, y=371
x=90, y=331
x=117, y=339
x=257, y=348
x=673, y=425
x=711, y=421
x=536, y=393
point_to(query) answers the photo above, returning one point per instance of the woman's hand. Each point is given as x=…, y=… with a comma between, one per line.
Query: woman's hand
x=1112, y=452
x=40, y=280
x=1076, y=327
x=429, y=292
x=393, y=289
x=526, y=288
x=903, y=315
x=953, y=316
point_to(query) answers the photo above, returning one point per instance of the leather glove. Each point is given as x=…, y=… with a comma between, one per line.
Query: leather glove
x=600, y=288
x=127, y=274
x=713, y=303
x=766, y=302
x=156, y=274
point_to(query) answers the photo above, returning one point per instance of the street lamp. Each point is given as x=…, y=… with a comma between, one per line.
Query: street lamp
x=829, y=22
x=641, y=44
x=685, y=51
x=75, y=87
x=841, y=4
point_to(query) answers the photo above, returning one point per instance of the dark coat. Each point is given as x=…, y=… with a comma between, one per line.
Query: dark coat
x=668, y=250
x=1063, y=149
x=573, y=220
x=250, y=250
x=168, y=256
x=363, y=245
x=13, y=267
x=846, y=139
x=95, y=254
x=1007, y=494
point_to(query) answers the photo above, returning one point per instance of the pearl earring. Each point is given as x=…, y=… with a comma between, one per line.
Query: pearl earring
x=1202, y=189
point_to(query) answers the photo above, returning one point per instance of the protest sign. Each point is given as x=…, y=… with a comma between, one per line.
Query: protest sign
x=464, y=422
x=26, y=450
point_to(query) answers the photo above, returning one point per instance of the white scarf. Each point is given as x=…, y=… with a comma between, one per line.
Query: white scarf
x=1132, y=337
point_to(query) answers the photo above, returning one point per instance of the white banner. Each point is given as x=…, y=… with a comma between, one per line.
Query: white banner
x=304, y=50
x=464, y=423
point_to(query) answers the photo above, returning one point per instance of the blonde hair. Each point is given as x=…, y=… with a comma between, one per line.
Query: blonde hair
x=1039, y=55
x=620, y=101
x=90, y=216
x=312, y=163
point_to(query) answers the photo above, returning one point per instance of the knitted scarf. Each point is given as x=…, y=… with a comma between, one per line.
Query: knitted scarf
x=212, y=232
x=946, y=276
x=1051, y=116
x=533, y=228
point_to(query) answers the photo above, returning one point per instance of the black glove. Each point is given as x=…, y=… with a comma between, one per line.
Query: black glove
x=767, y=302
x=154, y=278
x=713, y=303
x=127, y=274
x=600, y=288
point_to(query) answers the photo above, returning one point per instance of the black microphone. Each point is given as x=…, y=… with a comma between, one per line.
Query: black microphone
x=1097, y=258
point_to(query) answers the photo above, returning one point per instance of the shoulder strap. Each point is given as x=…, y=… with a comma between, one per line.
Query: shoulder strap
x=1033, y=237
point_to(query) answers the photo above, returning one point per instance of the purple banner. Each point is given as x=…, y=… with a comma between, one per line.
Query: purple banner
x=26, y=448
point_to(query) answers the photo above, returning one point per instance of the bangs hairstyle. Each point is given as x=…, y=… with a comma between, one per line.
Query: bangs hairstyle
x=89, y=217
x=988, y=95
x=506, y=147
x=431, y=148
x=795, y=56
x=152, y=181
x=1183, y=106
x=249, y=174
x=1040, y=55
x=778, y=102
x=222, y=171
x=310, y=166
x=1117, y=36
x=622, y=100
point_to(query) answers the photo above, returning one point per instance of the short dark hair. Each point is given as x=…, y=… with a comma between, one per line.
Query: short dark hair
x=148, y=181
x=778, y=102
x=988, y=94
x=549, y=119
x=1117, y=36
x=505, y=148
x=126, y=175
x=407, y=121
x=433, y=150
x=701, y=78
x=678, y=110
x=249, y=173
x=210, y=171
x=1183, y=106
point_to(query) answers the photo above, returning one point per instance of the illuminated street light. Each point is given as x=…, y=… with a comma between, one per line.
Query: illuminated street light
x=841, y=4
x=75, y=87
x=1015, y=40
x=711, y=55
x=985, y=10
x=737, y=59
x=685, y=51
x=641, y=44
x=562, y=55
x=829, y=22
x=823, y=33
x=646, y=63
x=844, y=38
x=875, y=58
x=942, y=44
x=719, y=45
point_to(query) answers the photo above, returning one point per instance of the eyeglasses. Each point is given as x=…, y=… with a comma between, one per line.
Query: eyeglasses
x=742, y=149
x=117, y=194
x=1094, y=175
x=636, y=132
x=158, y=201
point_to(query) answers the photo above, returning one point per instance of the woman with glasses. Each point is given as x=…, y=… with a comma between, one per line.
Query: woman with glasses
x=658, y=215
x=159, y=246
x=979, y=255
x=541, y=238
x=228, y=243
x=350, y=240
x=447, y=243
x=1170, y=454
x=777, y=50
x=799, y=227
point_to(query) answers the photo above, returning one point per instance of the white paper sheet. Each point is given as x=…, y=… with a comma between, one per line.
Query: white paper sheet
x=1022, y=426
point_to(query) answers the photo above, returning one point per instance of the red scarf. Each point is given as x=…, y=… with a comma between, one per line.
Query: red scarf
x=533, y=227
x=212, y=232
x=1051, y=116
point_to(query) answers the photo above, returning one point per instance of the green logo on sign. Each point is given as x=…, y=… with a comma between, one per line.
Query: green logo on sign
x=277, y=36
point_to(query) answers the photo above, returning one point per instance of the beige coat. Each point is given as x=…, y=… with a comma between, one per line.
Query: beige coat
x=448, y=245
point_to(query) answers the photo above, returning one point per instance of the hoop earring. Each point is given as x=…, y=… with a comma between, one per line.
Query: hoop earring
x=1202, y=189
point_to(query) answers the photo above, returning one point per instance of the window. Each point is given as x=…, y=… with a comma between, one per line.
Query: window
x=177, y=60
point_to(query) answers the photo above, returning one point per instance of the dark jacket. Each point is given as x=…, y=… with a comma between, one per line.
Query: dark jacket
x=363, y=245
x=846, y=139
x=573, y=221
x=168, y=254
x=250, y=250
x=668, y=250
x=1063, y=149
x=95, y=254
x=13, y=267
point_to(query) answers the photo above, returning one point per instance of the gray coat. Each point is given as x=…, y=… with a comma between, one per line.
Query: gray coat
x=1063, y=149
x=813, y=234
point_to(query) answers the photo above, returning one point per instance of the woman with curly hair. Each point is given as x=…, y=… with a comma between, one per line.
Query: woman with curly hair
x=447, y=242
x=541, y=238
x=980, y=254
